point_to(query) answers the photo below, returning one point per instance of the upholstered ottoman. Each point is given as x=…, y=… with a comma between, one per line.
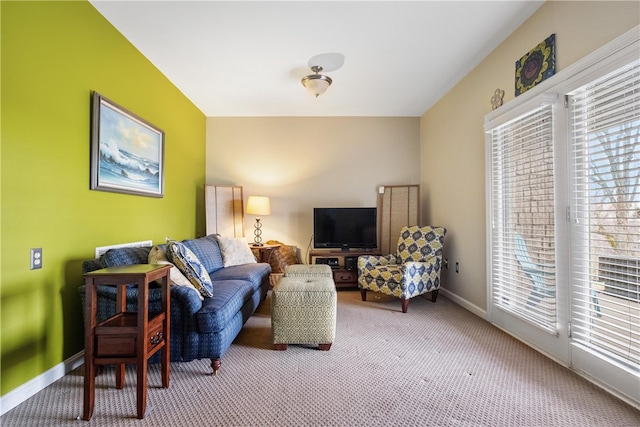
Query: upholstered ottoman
x=308, y=270
x=303, y=311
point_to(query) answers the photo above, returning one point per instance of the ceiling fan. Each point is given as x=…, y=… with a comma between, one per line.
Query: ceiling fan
x=318, y=83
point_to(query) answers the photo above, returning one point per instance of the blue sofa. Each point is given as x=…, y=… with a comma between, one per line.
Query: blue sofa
x=200, y=329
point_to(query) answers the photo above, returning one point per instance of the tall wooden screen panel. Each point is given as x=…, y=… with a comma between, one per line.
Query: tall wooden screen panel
x=225, y=212
x=398, y=205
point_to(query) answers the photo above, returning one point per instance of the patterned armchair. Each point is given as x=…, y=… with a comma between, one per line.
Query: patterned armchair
x=413, y=270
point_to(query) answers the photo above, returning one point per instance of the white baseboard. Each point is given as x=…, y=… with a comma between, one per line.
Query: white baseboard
x=464, y=303
x=31, y=387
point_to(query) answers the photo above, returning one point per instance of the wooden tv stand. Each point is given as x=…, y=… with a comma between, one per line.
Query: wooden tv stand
x=342, y=277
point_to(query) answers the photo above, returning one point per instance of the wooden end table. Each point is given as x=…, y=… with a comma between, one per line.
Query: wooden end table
x=264, y=251
x=126, y=337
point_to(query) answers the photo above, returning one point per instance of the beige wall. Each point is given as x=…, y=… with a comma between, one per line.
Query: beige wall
x=307, y=162
x=451, y=132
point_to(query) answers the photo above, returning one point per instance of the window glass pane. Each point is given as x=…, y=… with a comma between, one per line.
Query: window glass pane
x=523, y=249
x=605, y=129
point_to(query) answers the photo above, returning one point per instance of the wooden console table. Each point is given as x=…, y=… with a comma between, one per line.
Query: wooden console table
x=126, y=337
x=342, y=277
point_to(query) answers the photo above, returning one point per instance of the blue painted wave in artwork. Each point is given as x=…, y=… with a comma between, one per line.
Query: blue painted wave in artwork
x=120, y=168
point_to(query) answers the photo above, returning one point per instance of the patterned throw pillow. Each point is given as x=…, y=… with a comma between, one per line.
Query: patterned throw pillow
x=157, y=256
x=190, y=266
x=235, y=251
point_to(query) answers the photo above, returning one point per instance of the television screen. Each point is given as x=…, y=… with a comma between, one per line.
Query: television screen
x=345, y=228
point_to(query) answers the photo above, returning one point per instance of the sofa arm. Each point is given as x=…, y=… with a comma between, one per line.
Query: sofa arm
x=186, y=298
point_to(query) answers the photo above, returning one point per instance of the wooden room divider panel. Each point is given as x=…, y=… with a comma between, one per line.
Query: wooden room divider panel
x=398, y=205
x=224, y=210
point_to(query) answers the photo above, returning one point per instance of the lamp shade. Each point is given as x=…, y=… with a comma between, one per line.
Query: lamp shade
x=258, y=205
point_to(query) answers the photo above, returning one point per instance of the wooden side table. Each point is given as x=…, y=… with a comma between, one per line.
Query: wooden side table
x=265, y=251
x=126, y=337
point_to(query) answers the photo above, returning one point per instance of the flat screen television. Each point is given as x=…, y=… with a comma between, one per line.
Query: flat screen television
x=345, y=228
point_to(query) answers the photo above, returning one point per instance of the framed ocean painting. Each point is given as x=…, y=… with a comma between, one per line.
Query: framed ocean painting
x=127, y=152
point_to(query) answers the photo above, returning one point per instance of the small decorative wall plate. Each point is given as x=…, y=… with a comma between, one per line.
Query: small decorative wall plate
x=496, y=99
x=536, y=66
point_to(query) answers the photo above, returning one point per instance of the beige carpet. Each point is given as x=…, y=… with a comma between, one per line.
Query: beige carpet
x=437, y=365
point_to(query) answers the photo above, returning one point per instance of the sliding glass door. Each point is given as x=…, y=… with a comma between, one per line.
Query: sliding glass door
x=605, y=257
x=563, y=197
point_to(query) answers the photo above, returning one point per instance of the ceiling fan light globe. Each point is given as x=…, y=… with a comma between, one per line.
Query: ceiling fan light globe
x=317, y=84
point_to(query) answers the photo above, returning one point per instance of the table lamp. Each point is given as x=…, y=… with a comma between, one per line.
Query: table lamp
x=258, y=205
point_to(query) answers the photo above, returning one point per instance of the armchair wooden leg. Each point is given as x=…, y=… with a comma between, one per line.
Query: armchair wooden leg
x=434, y=295
x=405, y=305
x=363, y=292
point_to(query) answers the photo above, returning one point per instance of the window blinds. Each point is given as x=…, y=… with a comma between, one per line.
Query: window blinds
x=605, y=129
x=522, y=204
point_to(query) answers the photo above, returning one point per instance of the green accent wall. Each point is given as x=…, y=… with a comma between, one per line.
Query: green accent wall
x=53, y=55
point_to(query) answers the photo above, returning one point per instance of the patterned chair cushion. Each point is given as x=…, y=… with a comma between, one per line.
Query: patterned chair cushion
x=386, y=279
x=191, y=267
x=419, y=243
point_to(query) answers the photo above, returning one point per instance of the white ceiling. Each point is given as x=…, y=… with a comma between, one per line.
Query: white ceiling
x=242, y=58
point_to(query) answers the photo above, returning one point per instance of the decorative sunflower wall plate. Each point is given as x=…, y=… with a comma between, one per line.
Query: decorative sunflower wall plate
x=537, y=65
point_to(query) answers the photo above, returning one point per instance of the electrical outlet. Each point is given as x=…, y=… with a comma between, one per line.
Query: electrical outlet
x=446, y=263
x=457, y=267
x=36, y=258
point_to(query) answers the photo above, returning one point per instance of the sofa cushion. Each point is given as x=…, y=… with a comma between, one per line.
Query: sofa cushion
x=253, y=273
x=190, y=266
x=126, y=256
x=228, y=298
x=235, y=251
x=158, y=256
x=207, y=250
